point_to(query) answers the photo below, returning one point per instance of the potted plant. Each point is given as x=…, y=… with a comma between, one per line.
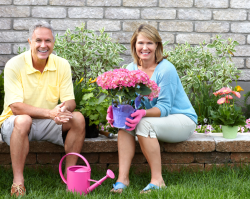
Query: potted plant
x=228, y=114
x=89, y=55
x=127, y=88
x=91, y=103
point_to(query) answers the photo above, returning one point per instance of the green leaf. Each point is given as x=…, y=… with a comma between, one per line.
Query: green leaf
x=101, y=98
x=143, y=90
x=210, y=46
x=87, y=96
x=165, y=43
x=235, y=43
x=94, y=117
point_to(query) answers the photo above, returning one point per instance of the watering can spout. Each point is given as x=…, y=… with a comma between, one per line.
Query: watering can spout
x=109, y=174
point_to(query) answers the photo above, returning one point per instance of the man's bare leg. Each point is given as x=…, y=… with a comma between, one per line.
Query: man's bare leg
x=75, y=138
x=19, y=146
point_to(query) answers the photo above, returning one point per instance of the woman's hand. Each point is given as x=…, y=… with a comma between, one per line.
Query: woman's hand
x=137, y=115
x=109, y=116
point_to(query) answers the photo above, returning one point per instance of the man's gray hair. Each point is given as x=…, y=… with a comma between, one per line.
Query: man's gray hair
x=40, y=24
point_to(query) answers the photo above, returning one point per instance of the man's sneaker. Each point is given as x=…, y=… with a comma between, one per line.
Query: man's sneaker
x=17, y=190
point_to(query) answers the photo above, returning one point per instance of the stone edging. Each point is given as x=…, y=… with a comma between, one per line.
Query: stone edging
x=196, y=143
x=200, y=152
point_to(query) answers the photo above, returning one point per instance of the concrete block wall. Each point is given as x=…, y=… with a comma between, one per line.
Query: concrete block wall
x=200, y=152
x=177, y=21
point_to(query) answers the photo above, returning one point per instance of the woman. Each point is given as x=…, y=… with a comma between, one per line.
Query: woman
x=168, y=118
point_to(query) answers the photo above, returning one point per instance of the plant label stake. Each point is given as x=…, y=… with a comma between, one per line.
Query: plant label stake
x=78, y=177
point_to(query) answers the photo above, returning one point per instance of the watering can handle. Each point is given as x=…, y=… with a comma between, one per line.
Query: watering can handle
x=60, y=164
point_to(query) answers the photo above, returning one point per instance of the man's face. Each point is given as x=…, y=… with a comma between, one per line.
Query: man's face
x=41, y=45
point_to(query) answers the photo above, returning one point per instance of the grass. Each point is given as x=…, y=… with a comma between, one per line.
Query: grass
x=223, y=183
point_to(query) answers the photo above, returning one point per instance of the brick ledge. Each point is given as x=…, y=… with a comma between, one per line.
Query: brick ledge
x=212, y=142
x=199, y=152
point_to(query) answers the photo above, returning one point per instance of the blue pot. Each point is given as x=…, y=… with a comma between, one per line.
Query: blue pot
x=120, y=113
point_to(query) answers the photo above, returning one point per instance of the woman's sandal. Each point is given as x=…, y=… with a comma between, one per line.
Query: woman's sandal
x=118, y=187
x=150, y=187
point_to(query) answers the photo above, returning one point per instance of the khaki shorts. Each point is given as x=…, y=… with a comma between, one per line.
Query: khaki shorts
x=41, y=130
x=173, y=128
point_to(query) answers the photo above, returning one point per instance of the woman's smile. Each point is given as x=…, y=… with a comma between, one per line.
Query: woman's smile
x=145, y=48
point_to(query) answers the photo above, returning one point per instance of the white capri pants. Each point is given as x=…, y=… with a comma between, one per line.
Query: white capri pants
x=173, y=128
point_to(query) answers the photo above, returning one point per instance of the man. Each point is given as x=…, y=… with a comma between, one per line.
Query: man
x=34, y=81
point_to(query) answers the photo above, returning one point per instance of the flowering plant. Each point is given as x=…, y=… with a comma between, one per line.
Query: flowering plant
x=89, y=101
x=228, y=113
x=207, y=128
x=127, y=85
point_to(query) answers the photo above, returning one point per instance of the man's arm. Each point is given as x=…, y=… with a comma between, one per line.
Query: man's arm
x=20, y=108
x=70, y=105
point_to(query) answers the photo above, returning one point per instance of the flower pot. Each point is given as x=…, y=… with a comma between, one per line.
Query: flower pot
x=91, y=131
x=120, y=113
x=230, y=132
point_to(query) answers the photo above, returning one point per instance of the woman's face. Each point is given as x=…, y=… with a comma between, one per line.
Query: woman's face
x=145, y=48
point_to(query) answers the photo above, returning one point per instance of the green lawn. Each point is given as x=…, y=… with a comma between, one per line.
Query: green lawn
x=215, y=184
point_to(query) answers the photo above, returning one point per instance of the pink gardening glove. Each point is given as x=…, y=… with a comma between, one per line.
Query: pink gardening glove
x=109, y=116
x=137, y=115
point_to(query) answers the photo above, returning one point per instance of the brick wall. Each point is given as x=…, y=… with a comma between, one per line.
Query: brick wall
x=177, y=21
x=199, y=152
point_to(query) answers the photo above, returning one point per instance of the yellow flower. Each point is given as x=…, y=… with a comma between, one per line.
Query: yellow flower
x=81, y=80
x=93, y=80
x=90, y=79
x=239, y=89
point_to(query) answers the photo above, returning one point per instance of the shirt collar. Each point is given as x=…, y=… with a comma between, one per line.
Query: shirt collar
x=50, y=65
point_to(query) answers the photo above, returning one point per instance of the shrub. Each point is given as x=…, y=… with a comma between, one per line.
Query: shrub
x=204, y=69
x=89, y=54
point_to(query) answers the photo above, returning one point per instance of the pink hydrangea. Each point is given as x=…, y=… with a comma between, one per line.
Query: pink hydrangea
x=120, y=78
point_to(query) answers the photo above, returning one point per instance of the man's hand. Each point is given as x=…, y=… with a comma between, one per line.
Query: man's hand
x=60, y=114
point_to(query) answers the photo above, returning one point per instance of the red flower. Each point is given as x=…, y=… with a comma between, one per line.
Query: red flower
x=229, y=97
x=224, y=99
x=224, y=90
x=221, y=100
x=237, y=94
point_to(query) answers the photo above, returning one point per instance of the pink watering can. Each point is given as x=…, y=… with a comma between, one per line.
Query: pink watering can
x=78, y=177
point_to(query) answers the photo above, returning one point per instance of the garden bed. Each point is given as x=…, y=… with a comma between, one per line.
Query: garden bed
x=199, y=152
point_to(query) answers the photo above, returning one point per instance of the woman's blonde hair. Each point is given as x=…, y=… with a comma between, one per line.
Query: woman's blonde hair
x=152, y=34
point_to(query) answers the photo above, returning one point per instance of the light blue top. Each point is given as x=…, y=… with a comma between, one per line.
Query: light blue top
x=172, y=98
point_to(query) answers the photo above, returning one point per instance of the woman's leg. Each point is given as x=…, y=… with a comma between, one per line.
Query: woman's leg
x=174, y=128
x=151, y=150
x=126, y=151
